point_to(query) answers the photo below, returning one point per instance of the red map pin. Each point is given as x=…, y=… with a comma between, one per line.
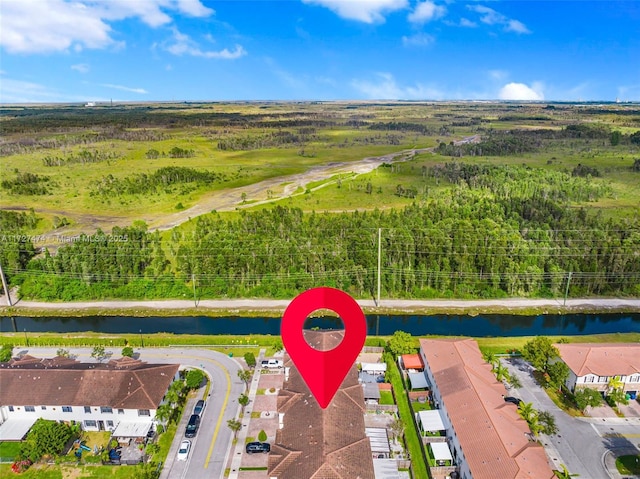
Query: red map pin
x=323, y=371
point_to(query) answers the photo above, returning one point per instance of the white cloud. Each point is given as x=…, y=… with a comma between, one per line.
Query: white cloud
x=81, y=67
x=418, y=40
x=491, y=17
x=367, y=11
x=182, y=44
x=20, y=91
x=124, y=88
x=465, y=22
x=516, y=26
x=426, y=11
x=386, y=88
x=520, y=91
x=60, y=25
x=498, y=74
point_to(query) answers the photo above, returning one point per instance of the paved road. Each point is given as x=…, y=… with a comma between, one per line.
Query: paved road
x=212, y=444
x=388, y=304
x=580, y=444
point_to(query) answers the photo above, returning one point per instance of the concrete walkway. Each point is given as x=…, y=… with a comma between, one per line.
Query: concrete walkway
x=238, y=450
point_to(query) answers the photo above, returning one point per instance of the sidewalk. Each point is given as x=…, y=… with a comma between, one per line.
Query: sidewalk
x=238, y=450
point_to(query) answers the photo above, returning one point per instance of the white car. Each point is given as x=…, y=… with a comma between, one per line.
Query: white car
x=183, y=452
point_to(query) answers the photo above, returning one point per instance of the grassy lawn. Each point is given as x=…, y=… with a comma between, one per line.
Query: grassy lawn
x=628, y=464
x=412, y=438
x=9, y=450
x=562, y=400
x=44, y=471
x=386, y=397
x=421, y=406
x=164, y=441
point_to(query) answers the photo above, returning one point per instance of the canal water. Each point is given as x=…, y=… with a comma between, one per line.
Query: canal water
x=481, y=325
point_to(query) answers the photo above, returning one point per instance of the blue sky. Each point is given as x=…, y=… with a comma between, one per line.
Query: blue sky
x=147, y=50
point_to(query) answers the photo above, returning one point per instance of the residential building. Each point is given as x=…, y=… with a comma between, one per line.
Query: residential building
x=487, y=437
x=593, y=365
x=316, y=442
x=123, y=393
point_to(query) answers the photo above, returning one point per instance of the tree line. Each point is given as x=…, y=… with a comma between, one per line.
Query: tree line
x=464, y=243
x=164, y=178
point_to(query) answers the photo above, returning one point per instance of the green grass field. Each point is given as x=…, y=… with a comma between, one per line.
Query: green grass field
x=335, y=132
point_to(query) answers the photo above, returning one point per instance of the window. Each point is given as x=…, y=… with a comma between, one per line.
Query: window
x=589, y=379
x=144, y=412
x=603, y=379
x=10, y=408
x=109, y=423
x=90, y=423
x=634, y=379
x=87, y=409
x=44, y=408
x=106, y=410
x=120, y=411
x=30, y=408
x=67, y=409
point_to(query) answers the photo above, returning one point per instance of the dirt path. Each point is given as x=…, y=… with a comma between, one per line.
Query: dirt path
x=224, y=200
x=399, y=305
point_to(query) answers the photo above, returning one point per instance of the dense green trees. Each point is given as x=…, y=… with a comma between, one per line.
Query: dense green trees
x=540, y=352
x=495, y=231
x=587, y=397
x=163, y=178
x=45, y=438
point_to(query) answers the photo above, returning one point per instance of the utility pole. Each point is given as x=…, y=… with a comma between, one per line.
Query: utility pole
x=5, y=287
x=195, y=299
x=379, y=262
x=566, y=291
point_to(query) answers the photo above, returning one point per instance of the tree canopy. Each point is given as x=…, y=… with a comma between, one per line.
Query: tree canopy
x=539, y=352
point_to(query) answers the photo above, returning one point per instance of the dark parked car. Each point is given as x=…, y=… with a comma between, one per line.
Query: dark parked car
x=192, y=426
x=513, y=400
x=200, y=405
x=252, y=447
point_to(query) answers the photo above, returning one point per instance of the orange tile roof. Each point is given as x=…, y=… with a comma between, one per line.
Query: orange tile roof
x=321, y=443
x=601, y=359
x=412, y=361
x=493, y=437
x=66, y=382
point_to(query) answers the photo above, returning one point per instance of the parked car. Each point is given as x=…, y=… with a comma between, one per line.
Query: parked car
x=192, y=426
x=511, y=399
x=263, y=447
x=200, y=405
x=272, y=364
x=183, y=452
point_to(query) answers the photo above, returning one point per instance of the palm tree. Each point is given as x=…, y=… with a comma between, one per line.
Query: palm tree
x=235, y=426
x=163, y=413
x=527, y=411
x=245, y=375
x=490, y=357
x=614, y=383
x=501, y=372
x=564, y=474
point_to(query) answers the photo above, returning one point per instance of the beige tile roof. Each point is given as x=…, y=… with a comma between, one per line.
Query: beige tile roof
x=316, y=443
x=602, y=359
x=128, y=384
x=493, y=437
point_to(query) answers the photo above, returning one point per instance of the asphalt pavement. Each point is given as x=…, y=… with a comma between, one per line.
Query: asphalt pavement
x=581, y=444
x=211, y=446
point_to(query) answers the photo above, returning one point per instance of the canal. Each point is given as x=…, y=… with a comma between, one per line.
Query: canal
x=455, y=325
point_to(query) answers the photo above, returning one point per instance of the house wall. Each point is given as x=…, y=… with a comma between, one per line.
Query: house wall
x=600, y=383
x=78, y=414
x=452, y=438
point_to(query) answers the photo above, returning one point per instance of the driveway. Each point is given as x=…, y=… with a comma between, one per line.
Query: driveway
x=580, y=444
x=211, y=445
